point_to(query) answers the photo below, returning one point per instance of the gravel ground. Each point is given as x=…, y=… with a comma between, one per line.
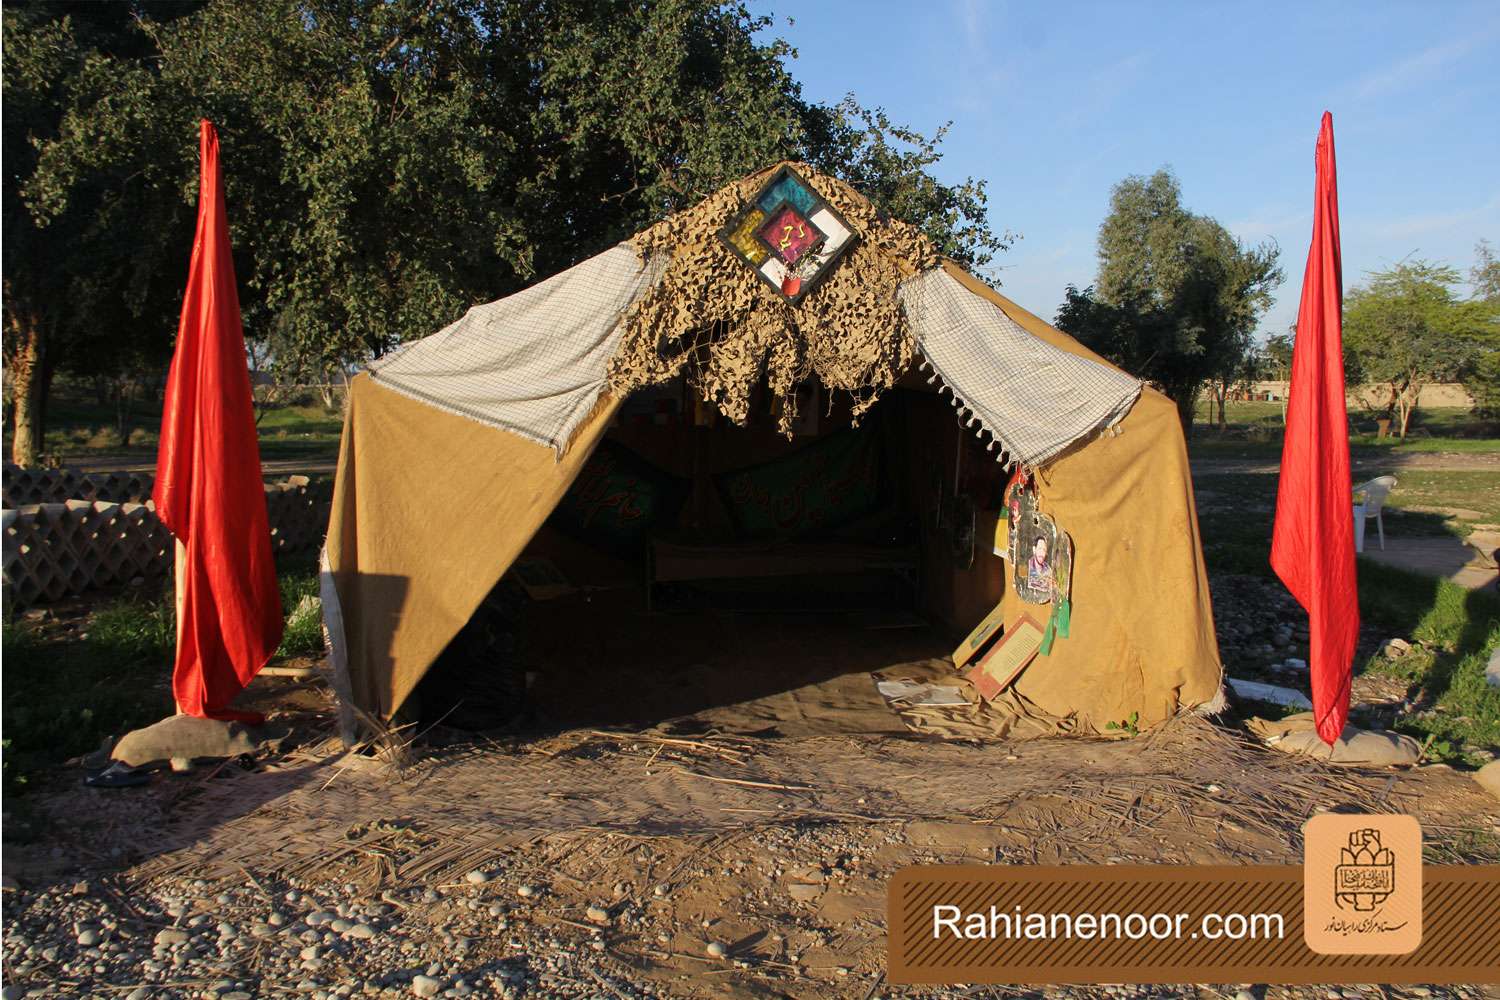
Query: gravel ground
x=492, y=937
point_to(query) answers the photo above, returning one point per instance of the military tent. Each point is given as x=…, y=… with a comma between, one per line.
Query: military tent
x=808, y=393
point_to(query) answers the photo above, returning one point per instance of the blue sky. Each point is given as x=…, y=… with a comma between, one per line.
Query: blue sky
x=1053, y=104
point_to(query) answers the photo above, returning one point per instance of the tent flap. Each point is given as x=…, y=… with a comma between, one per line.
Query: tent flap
x=532, y=363
x=1033, y=398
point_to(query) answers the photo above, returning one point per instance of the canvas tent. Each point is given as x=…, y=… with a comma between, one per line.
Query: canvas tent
x=458, y=448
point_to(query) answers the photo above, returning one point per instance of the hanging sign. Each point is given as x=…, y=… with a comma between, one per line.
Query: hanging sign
x=1003, y=662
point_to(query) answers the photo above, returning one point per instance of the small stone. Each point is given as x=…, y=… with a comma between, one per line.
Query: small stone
x=361, y=932
x=1488, y=777
x=340, y=926
x=477, y=877
x=804, y=893
x=12, y=992
x=319, y=918
x=182, y=764
x=88, y=938
x=168, y=936
x=716, y=949
x=425, y=986
x=1245, y=995
x=597, y=914
x=662, y=889
x=526, y=891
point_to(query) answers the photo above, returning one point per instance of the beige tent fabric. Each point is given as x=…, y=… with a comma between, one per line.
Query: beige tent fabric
x=429, y=510
x=1142, y=637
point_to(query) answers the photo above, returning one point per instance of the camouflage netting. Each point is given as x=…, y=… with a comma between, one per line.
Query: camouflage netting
x=713, y=318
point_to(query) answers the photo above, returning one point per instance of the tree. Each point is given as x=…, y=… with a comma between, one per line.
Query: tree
x=1406, y=327
x=1482, y=380
x=389, y=163
x=1277, y=356
x=86, y=283
x=1177, y=296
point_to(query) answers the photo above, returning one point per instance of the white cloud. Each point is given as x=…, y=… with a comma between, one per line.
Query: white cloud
x=1412, y=70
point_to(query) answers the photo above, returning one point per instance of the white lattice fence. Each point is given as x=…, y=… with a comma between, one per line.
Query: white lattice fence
x=58, y=550
x=30, y=486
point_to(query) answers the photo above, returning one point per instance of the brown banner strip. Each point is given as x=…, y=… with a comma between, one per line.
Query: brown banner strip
x=1167, y=924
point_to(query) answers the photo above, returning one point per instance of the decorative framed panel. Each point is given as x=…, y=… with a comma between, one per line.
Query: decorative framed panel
x=789, y=235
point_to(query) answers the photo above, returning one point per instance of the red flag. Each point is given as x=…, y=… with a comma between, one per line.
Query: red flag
x=1312, y=548
x=209, y=491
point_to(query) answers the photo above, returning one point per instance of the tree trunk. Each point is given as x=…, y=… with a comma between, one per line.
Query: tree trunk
x=27, y=362
x=1186, y=400
x=1407, y=401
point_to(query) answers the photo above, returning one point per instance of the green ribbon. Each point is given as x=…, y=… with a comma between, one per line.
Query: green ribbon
x=1057, y=625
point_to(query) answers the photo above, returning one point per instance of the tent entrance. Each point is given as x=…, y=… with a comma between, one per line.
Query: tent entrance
x=707, y=576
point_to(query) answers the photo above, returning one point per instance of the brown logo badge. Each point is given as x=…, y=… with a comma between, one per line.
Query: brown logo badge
x=1362, y=884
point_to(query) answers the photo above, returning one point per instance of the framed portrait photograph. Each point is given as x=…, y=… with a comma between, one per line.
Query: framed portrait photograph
x=1035, y=544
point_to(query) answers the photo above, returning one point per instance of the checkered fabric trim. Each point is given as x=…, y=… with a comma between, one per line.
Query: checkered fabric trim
x=532, y=363
x=1033, y=399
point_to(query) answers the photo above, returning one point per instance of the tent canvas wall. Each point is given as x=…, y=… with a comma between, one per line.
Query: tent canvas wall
x=457, y=448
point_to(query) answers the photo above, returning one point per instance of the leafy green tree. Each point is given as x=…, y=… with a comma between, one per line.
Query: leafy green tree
x=1177, y=296
x=389, y=163
x=90, y=284
x=1406, y=328
x=1483, y=378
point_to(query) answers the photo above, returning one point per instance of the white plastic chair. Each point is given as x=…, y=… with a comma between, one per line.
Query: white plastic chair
x=1375, y=492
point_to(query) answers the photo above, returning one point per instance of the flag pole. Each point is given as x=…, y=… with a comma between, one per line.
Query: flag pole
x=179, y=593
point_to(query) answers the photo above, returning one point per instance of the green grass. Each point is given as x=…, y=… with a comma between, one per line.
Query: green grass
x=1255, y=430
x=64, y=693
x=78, y=427
x=67, y=688
x=1477, y=491
x=1458, y=627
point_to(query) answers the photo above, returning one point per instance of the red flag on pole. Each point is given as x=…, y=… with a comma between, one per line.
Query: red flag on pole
x=1312, y=547
x=209, y=491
